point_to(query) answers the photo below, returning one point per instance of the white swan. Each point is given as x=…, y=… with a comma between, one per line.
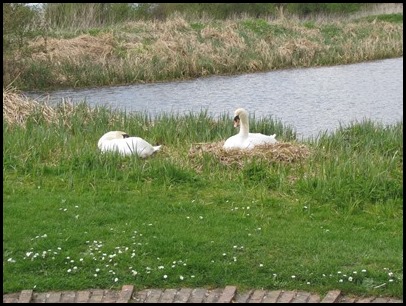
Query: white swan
x=244, y=139
x=117, y=141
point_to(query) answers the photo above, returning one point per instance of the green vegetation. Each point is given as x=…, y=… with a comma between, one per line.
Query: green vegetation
x=113, y=46
x=74, y=218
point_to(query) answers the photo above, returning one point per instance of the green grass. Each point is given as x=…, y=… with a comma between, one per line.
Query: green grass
x=198, y=221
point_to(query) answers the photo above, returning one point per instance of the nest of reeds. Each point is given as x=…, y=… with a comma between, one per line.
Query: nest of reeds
x=288, y=152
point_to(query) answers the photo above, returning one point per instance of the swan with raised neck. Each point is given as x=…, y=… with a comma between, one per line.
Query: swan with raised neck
x=244, y=139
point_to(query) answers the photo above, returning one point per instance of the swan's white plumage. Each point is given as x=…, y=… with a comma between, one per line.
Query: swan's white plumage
x=244, y=139
x=117, y=141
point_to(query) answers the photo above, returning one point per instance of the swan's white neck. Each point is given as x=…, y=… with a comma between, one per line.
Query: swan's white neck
x=244, y=126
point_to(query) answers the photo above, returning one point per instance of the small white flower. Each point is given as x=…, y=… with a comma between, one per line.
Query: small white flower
x=350, y=279
x=116, y=280
x=192, y=276
x=390, y=274
x=261, y=265
x=308, y=283
x=160, y=267
x=97, y=269
x=134, y=272
x=339, y=272
x=165, y=276
x=391, y=280
x=224, y=254
x=293, y=276
x=69, y=270
x=181, y=277
x=340, y=280
x=363, y=270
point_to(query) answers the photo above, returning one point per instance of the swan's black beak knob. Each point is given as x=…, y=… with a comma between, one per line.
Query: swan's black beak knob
x=236, y=121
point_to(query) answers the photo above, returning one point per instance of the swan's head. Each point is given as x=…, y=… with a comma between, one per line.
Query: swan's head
x=240, y=114
x=112, y=135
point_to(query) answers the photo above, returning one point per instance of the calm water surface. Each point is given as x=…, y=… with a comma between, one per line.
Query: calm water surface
x=311, y=100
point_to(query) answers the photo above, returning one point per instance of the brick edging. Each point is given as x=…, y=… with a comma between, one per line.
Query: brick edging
x=125, y=294
x=227, y=295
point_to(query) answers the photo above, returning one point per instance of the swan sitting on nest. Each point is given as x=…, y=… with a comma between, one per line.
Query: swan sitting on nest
x=244, y=139
x=121, y=142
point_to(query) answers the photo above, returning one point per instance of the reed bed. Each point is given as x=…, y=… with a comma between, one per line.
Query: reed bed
x=152, y=51
x=17, y=108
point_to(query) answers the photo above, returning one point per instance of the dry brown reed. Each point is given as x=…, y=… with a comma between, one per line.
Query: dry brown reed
x=150, y=51
x=286, y=152
x=17, y=108
x=93, y=48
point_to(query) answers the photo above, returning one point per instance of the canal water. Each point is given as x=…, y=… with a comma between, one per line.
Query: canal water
x=310, y=100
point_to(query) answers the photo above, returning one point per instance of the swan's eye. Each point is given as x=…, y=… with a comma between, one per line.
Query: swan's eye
x=236, y=119
x=126, y=135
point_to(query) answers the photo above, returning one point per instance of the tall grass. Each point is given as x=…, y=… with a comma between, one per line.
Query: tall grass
x=75, y=219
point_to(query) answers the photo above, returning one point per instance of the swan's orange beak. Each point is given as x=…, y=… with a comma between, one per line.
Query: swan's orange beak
x=236, y=121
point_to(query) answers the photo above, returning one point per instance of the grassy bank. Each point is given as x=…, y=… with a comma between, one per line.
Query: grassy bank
x=180, y=48
x=331, y=218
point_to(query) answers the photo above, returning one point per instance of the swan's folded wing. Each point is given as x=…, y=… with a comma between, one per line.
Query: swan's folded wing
x=259, y=139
